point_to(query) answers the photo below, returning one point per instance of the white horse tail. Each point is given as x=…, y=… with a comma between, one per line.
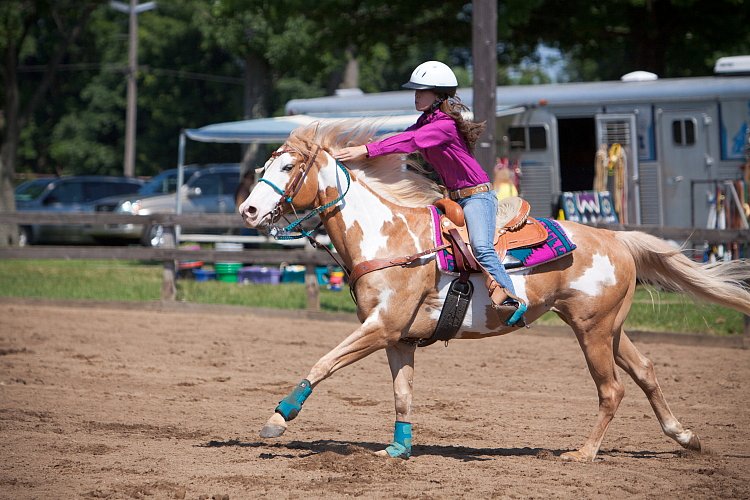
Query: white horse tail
x=657, y=262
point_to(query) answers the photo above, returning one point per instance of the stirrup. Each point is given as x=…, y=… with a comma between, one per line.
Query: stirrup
x=509, y=307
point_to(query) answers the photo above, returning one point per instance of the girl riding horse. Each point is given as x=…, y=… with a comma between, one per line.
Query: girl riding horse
x=445, y=140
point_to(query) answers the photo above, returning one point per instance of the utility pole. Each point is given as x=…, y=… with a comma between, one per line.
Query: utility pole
x=130, y=117
x=484, y=56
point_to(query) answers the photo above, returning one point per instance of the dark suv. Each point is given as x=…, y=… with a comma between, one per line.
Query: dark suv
x=210, y=190
x=67, y=194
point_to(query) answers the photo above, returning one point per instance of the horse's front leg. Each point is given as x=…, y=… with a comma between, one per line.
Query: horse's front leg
x=366, y=339
x=401, y=361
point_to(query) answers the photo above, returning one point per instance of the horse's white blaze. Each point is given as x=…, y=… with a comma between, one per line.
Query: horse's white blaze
x=595, y=278
x=263, y=197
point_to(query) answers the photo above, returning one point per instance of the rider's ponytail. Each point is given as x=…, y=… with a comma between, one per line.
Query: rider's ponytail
x=452, y=106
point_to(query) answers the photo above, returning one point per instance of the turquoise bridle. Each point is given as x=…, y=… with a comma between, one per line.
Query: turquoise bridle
x=287, y=196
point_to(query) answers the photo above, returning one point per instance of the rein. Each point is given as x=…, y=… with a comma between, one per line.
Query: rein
x=291, y=191
x=287, y=197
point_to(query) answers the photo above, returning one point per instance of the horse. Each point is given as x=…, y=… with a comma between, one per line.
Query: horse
x=377, y=209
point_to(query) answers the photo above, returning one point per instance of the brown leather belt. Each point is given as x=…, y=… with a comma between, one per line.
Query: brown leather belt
x=466, y=192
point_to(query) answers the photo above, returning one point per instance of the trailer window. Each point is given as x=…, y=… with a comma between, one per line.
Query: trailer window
x=532, y=138
x=683, y=132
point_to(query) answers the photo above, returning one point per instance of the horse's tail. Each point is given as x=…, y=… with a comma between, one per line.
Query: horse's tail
x=657, y=262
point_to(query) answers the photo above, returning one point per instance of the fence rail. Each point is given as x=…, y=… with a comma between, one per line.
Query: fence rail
x=308, y=257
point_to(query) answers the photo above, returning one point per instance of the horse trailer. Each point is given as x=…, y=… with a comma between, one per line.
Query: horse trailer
x=679, y=138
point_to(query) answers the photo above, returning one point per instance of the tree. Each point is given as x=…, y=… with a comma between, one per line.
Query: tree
x=52, y=26
x=604, y=40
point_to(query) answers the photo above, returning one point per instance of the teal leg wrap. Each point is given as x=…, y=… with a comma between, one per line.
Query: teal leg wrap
x=517, y=315
x=290, y=406
x=401, y=445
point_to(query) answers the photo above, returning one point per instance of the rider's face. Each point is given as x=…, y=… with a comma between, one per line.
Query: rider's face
x=423, y=99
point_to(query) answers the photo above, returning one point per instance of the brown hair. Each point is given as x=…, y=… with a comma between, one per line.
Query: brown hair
x=453, y=107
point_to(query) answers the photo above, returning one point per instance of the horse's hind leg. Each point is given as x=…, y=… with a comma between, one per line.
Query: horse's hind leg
x=596, y=343
x=641, y=369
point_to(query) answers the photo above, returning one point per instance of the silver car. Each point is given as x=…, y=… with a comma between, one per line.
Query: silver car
x=208, y=190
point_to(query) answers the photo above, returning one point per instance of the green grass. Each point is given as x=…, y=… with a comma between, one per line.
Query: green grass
x=139, y=281
x=282, y=296
x=80, y=279
x=654, y=310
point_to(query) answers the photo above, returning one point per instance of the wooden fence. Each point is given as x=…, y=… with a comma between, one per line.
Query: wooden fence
x=306, y=256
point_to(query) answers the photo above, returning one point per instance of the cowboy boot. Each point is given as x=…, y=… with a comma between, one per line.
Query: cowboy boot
x=509, y=307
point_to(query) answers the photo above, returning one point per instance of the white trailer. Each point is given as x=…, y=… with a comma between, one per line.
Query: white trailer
x=681, y=136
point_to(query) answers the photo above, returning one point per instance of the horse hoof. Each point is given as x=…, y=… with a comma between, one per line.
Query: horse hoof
x=694, y=444
x=395, y=451
x=275, y=427
x=575, y=456
x=271, y=431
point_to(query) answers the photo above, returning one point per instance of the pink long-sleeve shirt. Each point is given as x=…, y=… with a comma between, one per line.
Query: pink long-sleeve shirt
x=436, y=136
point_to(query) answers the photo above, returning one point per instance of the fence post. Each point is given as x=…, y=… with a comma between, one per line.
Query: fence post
x=313, y=290
x=311, y=283
x=168, y=287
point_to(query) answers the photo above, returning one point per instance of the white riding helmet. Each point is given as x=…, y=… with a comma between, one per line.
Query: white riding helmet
x=432, y=75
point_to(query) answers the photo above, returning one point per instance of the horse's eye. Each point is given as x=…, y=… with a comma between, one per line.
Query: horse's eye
x=287, y=168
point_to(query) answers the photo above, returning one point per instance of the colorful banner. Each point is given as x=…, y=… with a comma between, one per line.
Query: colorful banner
x=588, y=206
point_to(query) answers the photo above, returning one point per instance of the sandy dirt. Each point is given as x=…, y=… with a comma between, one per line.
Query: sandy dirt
x=116, y=403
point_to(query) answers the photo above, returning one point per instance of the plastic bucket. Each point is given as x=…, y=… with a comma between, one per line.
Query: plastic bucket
x=321, y=272
x=259, y=275
x=204, y=275
x=227, y=271
x=293, y=274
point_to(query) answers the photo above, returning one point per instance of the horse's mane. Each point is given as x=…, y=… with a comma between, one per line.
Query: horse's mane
x=386, y=175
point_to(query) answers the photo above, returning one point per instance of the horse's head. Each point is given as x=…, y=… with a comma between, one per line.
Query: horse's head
x=288, y=183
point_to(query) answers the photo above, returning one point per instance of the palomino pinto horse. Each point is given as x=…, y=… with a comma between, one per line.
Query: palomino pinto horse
x=375, y=209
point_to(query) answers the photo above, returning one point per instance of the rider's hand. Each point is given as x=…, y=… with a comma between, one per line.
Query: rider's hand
x=352, y=153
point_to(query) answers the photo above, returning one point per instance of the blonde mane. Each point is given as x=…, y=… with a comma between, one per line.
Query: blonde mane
x=385, y=175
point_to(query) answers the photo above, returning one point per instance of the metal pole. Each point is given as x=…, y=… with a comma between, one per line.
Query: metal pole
x=484, y=55
x=132, y=9
x=180, y=181
x=130, y=117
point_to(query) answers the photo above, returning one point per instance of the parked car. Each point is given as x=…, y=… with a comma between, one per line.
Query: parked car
x=162, y=183
x=67, y=194
x=209, y=190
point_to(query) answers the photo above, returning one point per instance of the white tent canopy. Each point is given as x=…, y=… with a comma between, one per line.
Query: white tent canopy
x=277, y=130
x=273, y=131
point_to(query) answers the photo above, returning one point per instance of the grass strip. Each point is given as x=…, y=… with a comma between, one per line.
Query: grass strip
x=141, y=281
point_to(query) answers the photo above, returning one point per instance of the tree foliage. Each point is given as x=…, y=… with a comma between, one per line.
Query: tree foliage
x=206, y=61
x=604, y=40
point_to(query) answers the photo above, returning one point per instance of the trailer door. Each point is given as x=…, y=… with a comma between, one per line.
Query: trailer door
x=620, y=129
x=684, y=158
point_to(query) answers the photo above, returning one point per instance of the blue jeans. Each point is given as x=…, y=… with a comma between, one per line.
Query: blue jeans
x=480, y=212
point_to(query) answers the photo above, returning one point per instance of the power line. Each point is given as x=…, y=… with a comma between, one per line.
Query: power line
x=118, y=68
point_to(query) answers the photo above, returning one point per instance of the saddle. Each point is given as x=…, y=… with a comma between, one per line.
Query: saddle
x=514, y=229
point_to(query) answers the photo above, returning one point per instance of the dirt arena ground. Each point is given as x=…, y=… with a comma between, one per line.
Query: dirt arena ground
x=102, y=402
